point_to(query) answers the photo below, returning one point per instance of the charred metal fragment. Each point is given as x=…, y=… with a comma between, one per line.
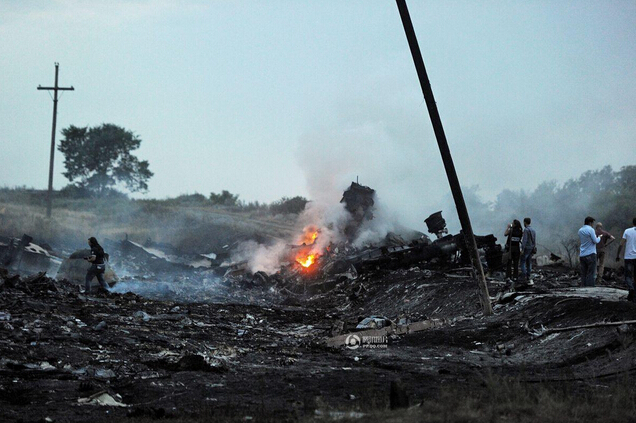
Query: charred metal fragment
x=359, y=202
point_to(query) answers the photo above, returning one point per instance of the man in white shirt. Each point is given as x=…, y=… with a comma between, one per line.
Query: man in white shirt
x=587, y=254
x=629, y=244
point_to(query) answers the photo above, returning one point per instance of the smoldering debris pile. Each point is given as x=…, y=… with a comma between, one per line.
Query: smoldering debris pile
x=329, y=255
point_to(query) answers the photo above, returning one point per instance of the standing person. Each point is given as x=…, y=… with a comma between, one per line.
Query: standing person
x=606, y=240
x=587, y=253
x=629, y=243
x=528, y=248
x=98, y=267
x=514, y=232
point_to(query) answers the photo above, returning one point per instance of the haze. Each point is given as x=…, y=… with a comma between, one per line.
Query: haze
x=285, y=98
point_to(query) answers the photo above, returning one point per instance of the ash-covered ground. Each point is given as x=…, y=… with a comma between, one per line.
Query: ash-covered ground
x=254, y=353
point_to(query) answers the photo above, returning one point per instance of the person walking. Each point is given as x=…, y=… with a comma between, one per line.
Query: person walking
x=628, y=243
x=606, y=240
x=587, y=252
x=528, y=249
x=514, y=232
x=98, y=266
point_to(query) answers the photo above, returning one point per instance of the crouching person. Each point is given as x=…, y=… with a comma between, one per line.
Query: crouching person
x=98, y=266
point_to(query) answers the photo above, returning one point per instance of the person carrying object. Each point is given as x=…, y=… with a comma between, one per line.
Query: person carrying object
x=629, y=244
x=98, y=265
x=587, y=253
x=606, y=240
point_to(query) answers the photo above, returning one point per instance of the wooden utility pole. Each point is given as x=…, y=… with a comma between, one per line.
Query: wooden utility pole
x=460, y=204
x=49, y=196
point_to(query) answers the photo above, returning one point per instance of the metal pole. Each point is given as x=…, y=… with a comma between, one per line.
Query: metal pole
x=460, y=204
x=55, y=89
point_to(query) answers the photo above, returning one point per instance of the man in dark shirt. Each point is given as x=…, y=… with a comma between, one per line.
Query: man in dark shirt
x=514, y=232
x=98, y=267
x=606, y=240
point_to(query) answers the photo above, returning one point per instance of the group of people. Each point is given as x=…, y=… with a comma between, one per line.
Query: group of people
x=594, y=241
x=521, y=244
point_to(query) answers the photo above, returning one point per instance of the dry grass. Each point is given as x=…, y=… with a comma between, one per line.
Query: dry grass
x=510, y=400
x=497, y=400
x=191, y=228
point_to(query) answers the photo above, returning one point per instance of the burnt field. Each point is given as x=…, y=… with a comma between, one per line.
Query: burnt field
x=257, y=354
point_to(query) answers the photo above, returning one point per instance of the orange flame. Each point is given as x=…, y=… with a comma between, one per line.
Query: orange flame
x=307, y=261
x=310, y=233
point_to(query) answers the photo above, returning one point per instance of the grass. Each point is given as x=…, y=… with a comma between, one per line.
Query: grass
x=192, y=228
x=496, y=400
x=502, y=399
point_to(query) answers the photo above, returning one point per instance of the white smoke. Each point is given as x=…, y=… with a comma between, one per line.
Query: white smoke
x=374, y=231
x=384, y=141
x=329, y=220
x=259, y=257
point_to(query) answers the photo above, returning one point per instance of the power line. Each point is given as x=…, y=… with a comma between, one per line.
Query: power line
x=55, y=89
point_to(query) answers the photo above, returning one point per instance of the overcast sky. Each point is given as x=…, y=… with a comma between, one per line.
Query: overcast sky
x=281, y=98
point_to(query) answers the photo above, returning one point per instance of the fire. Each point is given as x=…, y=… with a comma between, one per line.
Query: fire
x=307, y=261
x=310, y=233
x=308, y=252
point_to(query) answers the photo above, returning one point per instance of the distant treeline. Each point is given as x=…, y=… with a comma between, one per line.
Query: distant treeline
x=226, y=199
x=75, y=197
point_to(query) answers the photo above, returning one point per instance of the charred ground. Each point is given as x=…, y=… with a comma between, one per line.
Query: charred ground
x=62, y=351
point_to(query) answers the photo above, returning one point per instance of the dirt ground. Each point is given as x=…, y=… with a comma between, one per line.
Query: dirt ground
x=262, y=356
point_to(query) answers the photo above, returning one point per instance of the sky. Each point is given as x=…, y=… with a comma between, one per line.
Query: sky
x=284, y=98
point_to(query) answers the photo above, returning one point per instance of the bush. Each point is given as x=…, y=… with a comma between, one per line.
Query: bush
x=289, y=205
x=75, y=191
x=195, y=198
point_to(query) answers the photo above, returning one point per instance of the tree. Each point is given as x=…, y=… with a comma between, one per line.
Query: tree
x=225, y=198
x=99, y=158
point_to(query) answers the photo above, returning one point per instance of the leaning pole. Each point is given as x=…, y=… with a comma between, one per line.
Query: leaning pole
x=460, y=204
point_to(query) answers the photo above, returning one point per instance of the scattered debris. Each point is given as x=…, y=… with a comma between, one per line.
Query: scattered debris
x=103, y=398
x=545, y=331
x=22, y=255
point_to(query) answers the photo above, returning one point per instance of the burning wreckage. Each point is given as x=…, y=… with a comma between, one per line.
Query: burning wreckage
x=315, y=265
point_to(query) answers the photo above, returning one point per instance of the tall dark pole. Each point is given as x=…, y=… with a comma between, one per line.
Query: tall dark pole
x=49, y=196
x=460, y=204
